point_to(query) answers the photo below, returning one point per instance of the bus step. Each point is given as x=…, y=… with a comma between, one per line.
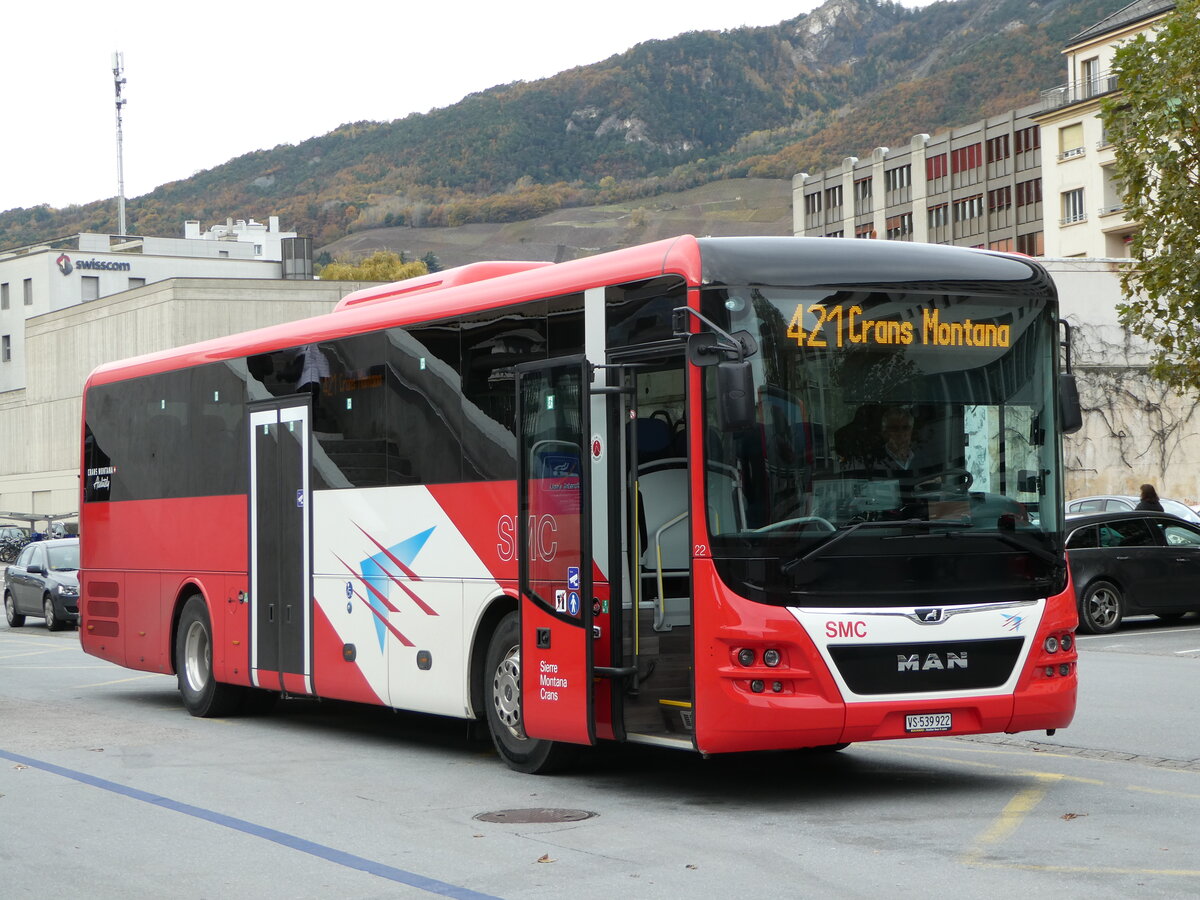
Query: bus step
x=677, y=715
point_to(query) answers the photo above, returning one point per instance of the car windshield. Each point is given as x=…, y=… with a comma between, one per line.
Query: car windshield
x=64, y=557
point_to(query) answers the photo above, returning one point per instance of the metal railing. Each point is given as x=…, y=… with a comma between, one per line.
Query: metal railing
x=1078, y=91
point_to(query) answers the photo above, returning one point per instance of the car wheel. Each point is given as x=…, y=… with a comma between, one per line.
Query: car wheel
x=202, y=694
x=53, y=623
x=502, y=693
x=1102, y=608
x=15, y=619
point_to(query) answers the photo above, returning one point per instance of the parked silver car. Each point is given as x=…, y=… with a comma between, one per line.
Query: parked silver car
x=1127, y=503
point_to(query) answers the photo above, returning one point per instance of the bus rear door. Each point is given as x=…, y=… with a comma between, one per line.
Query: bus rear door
x=555, y=572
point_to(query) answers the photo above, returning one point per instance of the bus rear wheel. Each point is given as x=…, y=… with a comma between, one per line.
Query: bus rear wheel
x=502, y=697
x=202, y=694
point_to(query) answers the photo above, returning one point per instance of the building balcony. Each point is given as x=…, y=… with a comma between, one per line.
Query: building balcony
x=1078, y=91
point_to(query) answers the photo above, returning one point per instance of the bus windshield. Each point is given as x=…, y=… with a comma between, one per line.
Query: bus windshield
x=900, y=436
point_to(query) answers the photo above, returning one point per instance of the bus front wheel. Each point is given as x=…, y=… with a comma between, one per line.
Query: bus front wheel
x=502, y=697
x=202, y=694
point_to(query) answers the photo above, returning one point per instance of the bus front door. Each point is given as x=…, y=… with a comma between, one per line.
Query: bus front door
x=555, y=570
x=280, y=548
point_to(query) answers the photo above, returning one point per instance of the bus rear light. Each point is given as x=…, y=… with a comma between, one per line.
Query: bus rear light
x=777, y=687
x=1064, y=669
x=757, y=686
x=771, y=657
x=1051, y=644
x=746, y=656
x=1049, y=671
x=1066, y=642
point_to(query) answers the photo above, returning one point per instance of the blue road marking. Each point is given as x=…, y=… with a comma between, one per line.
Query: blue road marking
x=338, y=857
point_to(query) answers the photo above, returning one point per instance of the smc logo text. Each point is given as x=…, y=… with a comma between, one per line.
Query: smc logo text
x=846, y=629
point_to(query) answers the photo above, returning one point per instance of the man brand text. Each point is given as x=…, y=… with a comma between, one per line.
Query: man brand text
x=913, y=663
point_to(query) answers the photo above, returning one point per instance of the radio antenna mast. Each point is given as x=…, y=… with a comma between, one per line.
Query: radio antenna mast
x=118, y=70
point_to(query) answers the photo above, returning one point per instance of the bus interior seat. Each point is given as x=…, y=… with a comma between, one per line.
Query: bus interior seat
x=663, y=527
x=653, y=439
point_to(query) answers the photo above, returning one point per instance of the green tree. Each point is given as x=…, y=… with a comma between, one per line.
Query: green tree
x=432, y=263
x=382, y=265
x=1154, y=125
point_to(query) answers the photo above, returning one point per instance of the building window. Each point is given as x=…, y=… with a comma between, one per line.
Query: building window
x=1003, y=246
x=968, y=208
x=833, y=197
x=4, y=295
x=1072, y=207
x=1089, y=72
x=812, y=204
x=965, y=158
x=1027, y=139
x=862, y=195
x=1030, y=244
x=864, y=231
x=136, y=283
x=897, y=179
x=1070, y=141
x=1029, y=192
x=836, y=234
x=6, y=348
x=939, y=216
x=899, y=227
x=935, y=167
x=997, y=148
x=1000, y=198
x=258, y=249
x=27, y=287
x=89, y=287
x=224, y=254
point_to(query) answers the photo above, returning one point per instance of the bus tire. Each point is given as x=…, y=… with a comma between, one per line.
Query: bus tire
x=202, y=694
x=502, y=698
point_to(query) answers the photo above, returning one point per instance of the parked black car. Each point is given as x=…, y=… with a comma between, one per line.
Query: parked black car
x=1131, y=563
x=44, y=581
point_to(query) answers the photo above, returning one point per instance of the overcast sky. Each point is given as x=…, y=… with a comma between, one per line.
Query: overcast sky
x=209, y=81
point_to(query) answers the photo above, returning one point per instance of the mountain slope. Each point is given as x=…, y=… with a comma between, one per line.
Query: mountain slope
x=663, y=116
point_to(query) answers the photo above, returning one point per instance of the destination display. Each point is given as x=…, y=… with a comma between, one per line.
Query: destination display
x=818, y=325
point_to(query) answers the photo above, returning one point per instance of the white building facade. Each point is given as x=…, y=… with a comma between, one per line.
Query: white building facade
x=1085, y=216
x=53, y=275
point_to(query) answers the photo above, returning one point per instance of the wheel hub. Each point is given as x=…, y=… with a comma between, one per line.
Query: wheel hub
x=506, y=692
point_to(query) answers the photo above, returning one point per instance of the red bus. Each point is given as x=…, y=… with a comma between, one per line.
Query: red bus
x=648, y=496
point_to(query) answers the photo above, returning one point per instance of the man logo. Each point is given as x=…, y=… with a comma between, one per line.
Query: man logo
x=914, y=663
x=930, y=615
x=64, y=264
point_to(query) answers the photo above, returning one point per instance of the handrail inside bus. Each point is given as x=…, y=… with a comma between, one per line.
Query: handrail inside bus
x=660, y=612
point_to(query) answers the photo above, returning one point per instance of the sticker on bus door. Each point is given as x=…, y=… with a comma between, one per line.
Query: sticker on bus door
x=555, y=555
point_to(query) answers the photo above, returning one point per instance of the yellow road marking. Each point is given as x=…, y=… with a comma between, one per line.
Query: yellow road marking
x=1011, y=817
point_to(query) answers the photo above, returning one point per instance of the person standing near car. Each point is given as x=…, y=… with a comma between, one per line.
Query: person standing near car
x=1149, y=499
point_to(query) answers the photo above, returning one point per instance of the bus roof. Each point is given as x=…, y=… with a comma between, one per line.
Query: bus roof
x=732, y=260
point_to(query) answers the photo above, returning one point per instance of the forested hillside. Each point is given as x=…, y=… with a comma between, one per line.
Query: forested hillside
x=663, y=116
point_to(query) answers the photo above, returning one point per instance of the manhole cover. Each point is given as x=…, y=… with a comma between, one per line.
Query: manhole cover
x=534, y=816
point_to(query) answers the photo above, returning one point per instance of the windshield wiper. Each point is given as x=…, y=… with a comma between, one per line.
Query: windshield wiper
x=820, y=549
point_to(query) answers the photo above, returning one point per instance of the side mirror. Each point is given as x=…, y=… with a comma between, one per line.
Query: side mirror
x=735, y=390
x=1069, y=409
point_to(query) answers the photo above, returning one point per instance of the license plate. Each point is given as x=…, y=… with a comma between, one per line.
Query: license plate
x=928, y=722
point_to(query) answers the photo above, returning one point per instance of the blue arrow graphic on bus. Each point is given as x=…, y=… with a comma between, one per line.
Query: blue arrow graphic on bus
x=384, y=568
